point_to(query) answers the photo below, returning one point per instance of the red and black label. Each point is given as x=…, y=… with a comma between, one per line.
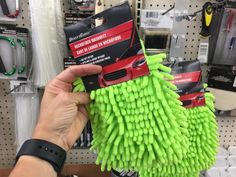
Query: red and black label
x=188, y=79
x=193, y=100
x=114, y=45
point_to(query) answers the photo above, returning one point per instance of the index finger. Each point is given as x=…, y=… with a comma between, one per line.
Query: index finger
x=73, y=72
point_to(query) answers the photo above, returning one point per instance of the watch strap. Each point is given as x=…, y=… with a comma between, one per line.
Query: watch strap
x=44, y=150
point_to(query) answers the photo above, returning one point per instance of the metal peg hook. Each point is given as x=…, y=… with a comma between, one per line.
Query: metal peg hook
x=99, y=3
x=168, y=10
x=17, y=87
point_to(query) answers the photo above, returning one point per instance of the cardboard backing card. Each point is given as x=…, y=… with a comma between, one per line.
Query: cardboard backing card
x=114, y=45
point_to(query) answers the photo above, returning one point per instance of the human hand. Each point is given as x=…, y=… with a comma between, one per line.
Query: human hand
x=63, y=115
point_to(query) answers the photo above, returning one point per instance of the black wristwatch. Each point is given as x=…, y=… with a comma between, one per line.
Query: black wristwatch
x=45, y=150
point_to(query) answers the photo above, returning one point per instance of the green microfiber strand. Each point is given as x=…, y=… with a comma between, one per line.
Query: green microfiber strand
x=139, y=123
x=202, y=151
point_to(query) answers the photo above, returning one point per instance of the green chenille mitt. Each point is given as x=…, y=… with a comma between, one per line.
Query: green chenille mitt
x=139, y=123
x=203, y=137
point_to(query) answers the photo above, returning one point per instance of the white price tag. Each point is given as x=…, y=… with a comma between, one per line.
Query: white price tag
x=155, y=19
x=234, y=82
x=203, y=52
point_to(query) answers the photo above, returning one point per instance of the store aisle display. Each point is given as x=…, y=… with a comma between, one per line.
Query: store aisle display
x=124, y=141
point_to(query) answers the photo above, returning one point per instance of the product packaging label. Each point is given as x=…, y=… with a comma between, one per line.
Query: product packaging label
x=73, y=17
x=8, y=29
x=22, y=32
x=188, y=79
x=155, y=19
x=114, y=45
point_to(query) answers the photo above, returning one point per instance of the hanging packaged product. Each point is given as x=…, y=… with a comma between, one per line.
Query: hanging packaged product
x=27, y=96
x=48, y=40
x=207, y=17
x=72, y=18
x=8, y=52
x=222, y=83
x=115, y=45
x=9, y=10
x=23, y=62
x=85, y=139
x=222, y=78
x=82, y=6
x=188, y=79
x=156, y=25
x=224, y=47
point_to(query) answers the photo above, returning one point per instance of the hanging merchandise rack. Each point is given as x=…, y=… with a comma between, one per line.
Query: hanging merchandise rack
x=227, y=125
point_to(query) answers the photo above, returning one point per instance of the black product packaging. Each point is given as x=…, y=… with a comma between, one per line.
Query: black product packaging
x=216, y=24
x=188, y=79
x=114, y=45
x=221, y=78
x=225, y=45
x=2, y=67
x=8, y=29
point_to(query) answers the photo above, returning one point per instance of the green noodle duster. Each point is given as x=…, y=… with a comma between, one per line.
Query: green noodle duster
x=139, y=123
x=202, y=151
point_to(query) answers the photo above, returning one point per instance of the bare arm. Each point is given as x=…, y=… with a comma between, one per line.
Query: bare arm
x=63, y=117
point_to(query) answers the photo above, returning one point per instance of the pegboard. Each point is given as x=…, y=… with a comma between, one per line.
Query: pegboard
x=227, y=131
x=7, y=147
x=7, y=135
x=193, y=27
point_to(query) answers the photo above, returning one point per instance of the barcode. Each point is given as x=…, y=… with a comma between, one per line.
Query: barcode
x=203, y=52
x=151, y=14
x=203, y=49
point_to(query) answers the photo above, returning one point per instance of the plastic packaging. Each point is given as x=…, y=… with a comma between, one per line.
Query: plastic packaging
x=49, y=46
x=27, y=108
x=8, y=52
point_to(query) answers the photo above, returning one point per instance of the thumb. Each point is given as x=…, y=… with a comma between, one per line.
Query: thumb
x=80, y=98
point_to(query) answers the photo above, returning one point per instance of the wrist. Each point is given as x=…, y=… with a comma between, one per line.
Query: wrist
x=30, y=162
x=27, y=159
x=55, y=138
